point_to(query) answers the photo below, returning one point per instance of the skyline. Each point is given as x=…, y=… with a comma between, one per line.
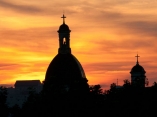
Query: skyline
x=109, y=33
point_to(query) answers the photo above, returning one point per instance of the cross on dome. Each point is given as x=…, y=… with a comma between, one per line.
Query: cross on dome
x=63, y=18
x=137, y=58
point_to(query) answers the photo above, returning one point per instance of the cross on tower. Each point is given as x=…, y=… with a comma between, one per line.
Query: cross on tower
x=63, y=19
x=137, y=58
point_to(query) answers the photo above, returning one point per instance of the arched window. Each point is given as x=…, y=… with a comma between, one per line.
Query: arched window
x=64, y=41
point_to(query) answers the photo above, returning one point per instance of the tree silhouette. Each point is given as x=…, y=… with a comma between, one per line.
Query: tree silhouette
x=154, y=84
x=127, y=84
x=123, y=102
x=96, y=89
x=3, y=97
x=113, y=88
x=15, y=111
x=32, y=106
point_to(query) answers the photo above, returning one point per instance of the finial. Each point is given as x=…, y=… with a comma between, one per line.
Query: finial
x=63, y=18
x=137, y=58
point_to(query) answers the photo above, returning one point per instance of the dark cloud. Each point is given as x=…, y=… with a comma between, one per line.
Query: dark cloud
x=120, y=21
x=142, y=28
x=40, y=33
x=19, y=8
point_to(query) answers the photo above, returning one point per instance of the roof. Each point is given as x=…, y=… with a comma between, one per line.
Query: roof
x=27, y=83
x=65, y=68
x=137, y=68
x=64, y=28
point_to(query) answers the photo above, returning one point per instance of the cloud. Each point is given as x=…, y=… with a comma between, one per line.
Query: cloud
x=6, y=66
x=142, y=27
x=9, y=72
x=40, y=39
x=119, y=46
x=107, y=66
x=19, y=8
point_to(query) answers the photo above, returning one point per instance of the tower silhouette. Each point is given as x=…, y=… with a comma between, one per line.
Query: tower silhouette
x=65, y=73
x=138, y=74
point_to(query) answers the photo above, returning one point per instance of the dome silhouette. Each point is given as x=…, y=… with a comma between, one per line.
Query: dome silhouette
x=137, y=68
x=65, y=68
x=63, y=28
x=65, y=72
x=138, y=77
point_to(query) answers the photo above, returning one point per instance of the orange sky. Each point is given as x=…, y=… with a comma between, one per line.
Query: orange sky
x=106, y=35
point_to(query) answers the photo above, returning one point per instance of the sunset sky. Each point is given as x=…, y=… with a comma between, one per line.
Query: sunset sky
x=106, y=36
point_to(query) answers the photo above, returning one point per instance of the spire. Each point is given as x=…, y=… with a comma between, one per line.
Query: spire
x=63, y=18
x=137, y=58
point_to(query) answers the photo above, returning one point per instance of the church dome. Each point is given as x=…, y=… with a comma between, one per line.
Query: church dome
x=65, y=68
x=137, y=68
x=65, y=73
x=63, y=28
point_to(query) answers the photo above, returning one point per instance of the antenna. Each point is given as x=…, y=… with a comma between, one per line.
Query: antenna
x=117, y=82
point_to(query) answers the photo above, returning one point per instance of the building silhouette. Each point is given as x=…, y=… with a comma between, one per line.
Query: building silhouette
x=18, y=95
x=138, y=77
x=65, y=73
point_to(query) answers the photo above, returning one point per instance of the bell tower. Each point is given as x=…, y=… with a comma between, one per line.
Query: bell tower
x=64, y=38
x=138, y=77
x=65, y=74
